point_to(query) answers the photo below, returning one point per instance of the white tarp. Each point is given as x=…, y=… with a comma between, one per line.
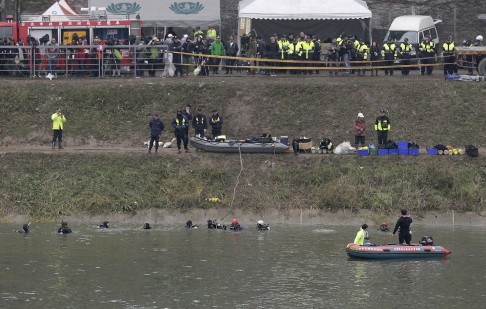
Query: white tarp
x=304, y=9
x=59, y=11
x=163, y=13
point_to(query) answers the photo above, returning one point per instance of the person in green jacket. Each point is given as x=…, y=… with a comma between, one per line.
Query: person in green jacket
x=217, y=49
x=362, y=235
x=58, y=120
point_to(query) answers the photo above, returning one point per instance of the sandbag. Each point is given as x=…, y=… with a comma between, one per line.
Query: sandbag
x=171, y=69
x=472, y=151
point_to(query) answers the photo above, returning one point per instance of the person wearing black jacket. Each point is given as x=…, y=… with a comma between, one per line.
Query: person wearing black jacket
x=403, y=228
x=375, y=52
x=216, y=123
x=156, y=127
x=180, y=124
x=187, y=47
x=177, y=58
x=199, y=123
x=261, y=52
x=231, y=49
x=272, y=53
x=316, y=56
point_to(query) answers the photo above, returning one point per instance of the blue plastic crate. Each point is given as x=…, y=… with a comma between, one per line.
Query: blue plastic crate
x=363, y=152
x=393, y=151
x=403, y=152
x=414, y=151
x=402, y=145
x=382, y=152
x=431, y=151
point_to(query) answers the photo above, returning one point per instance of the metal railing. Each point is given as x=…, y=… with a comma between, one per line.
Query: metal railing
x=150, y=60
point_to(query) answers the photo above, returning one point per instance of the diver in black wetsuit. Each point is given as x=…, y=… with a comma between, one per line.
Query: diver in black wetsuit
x=25, y=228
x=189, y=225
x=403, y=228
x=262, y=226
x=213, y=225
x=64, y=229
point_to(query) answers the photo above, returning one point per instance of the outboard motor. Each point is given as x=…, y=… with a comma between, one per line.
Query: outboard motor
x=427, y=241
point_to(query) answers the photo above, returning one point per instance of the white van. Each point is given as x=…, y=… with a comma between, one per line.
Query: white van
x=413, y=27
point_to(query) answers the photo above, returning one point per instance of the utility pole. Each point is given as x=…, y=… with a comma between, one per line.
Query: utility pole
x=17, y=17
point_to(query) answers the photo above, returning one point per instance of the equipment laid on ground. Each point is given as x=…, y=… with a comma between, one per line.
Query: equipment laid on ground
x=393, y=251
x=466, y=78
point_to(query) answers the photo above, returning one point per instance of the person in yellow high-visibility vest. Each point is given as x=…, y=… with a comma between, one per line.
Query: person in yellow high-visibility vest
x=382, y=127
x=306, y=53
x=362, y=56
x=389, y=54
x=58, y=120
x=448, y=49
x=362, y=235
x=405, y=50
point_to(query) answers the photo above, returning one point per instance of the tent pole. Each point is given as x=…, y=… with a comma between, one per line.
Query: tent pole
x=371, y=32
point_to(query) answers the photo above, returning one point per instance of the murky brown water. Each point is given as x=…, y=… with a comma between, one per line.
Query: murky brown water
x=286, y=267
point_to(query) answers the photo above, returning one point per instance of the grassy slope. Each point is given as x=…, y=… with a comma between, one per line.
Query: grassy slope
x=116, y=113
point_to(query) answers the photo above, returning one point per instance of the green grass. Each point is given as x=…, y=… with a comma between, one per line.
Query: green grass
x=45, y=186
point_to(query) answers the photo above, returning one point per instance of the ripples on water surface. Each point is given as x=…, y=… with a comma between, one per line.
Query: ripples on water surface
x=286, y=267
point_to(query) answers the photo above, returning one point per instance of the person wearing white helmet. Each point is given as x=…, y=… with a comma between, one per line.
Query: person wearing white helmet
x=479, y=41
x=262, y=226
x=359, y=130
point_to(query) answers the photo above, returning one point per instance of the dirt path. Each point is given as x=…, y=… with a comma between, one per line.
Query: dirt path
x=122, y=150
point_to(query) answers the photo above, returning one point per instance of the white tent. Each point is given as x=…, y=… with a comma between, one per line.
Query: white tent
x=327, y=18
x=59, y=11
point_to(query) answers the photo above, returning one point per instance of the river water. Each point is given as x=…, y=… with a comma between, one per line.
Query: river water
x=289, y=266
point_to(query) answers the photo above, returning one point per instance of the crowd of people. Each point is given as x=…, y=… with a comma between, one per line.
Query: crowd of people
x=206, y=53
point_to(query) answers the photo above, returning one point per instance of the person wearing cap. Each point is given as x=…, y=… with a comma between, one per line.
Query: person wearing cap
x=156, y=127
x=216, y=122
x=362, y=235
x=359, y=130
x=200, y=123
x=427, y=54
x=58, y=120
x=180, y=124
x=231, y=49
x=448, y=49
x=389, y=54
x=217, y=49
x=382, y=126
x=403, y=228
x=405, y=50
x=188, y=48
